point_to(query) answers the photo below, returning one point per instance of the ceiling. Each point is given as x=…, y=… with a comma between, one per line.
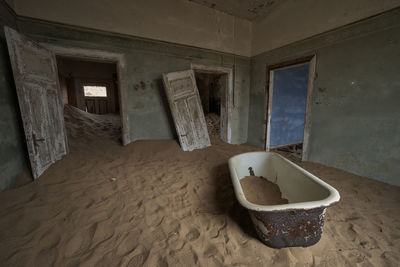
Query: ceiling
x=246, y=9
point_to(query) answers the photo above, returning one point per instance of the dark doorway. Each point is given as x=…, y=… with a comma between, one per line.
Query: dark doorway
x=90, y=95
x=210, y=90
x=89, y=86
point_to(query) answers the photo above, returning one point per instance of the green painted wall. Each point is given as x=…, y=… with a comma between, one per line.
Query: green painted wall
x=148, y=109
x=146, y=60
x=12, y=148
x=356, y=97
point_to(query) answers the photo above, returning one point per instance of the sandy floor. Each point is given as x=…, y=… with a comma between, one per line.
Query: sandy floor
x=151, y=204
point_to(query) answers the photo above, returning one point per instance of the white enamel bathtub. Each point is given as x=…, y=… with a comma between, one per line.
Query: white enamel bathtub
x=298, y=223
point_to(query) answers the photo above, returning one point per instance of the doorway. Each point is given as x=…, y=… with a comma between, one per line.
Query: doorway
x=119, y=78
x=88, y=85
x=90, y=97
x=289, y=107
x=216, y=93
x=209, y=87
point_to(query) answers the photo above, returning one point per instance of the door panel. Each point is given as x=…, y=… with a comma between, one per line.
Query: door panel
x=102, y=106
x=197, y=114
x=97, y=105
x=36, y=110
x=184, y=124
x=182, y=86
x=36, y=80
x=57, y=127
x=90, y=105
x=186, y=109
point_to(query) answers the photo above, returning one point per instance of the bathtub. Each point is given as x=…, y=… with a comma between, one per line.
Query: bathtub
x=296, y=224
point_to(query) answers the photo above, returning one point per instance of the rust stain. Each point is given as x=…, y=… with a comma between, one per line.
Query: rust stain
x=251, y=171
x=143, y=85
x=290, y=228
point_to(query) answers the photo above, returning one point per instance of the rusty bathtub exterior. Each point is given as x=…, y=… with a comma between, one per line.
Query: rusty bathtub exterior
x=290, y=228
x=296, y=224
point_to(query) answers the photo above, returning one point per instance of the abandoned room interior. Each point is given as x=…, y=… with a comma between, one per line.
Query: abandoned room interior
x=200, y=133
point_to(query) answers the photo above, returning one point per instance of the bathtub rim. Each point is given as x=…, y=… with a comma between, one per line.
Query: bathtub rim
x=330, y=200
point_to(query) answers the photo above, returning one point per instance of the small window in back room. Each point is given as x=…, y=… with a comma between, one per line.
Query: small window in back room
x=95, y=91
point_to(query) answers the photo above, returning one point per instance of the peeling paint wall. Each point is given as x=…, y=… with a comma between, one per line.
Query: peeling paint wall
x=148, y=109
x=177, y=21
x=294, y=20
x=12, y=147
x=355, y=108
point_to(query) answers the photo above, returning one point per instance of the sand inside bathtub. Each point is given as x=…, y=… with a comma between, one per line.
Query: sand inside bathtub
x=260, y=191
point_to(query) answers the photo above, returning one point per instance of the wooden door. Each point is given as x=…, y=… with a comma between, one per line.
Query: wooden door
x=39, y=97
x=97, y=105
x=186, y=109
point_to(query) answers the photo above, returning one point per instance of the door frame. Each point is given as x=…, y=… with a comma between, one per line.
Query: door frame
x=269, y=93
x=198, y=68
x=109, y=57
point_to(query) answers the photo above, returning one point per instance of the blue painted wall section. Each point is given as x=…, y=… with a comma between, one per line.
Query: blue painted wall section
x=288, y=108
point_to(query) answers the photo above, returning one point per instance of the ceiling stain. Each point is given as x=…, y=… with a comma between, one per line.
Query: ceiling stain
x=251, y=10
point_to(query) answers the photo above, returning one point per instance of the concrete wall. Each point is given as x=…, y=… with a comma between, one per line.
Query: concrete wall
x=294, y=20
x=148, y=109
x=355, y=108
x=177, y=21
x=12, y=147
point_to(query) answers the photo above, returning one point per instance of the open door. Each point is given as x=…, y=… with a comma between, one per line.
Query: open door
x=186, y=109
x=289, y=105
x=36, y=81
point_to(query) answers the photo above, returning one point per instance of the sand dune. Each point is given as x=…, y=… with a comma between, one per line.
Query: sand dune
x=150, y=203
x=86, y=125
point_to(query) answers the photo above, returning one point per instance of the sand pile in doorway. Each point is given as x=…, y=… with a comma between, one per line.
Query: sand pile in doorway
x=150, y=203
x=213, y=125
x=81, y=124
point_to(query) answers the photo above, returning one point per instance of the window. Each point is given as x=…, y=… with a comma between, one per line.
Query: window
x=95, y=91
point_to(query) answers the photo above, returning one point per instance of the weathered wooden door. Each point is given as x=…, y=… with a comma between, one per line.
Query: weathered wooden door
x=186, y=109
x=36, y=81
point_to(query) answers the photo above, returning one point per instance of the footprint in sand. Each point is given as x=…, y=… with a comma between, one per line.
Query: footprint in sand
x=351, y=232
x=138, y=257
x=184, y=257
x=210, y=251
x=192, y=235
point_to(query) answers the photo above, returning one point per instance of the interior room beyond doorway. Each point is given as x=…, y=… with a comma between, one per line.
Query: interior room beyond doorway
x=90, y=96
